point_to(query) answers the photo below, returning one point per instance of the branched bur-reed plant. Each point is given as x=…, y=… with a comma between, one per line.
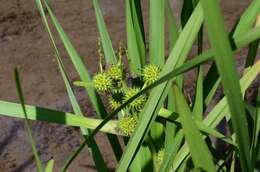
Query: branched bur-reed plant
x=118, y=86
x=148, y=108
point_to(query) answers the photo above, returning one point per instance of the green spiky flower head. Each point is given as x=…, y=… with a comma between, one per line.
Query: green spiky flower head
x=127, y=125
x=114, y=104
x=138, y=103
x=151, y=73
x=116, y=72
x=159, y=159
x=102, y=82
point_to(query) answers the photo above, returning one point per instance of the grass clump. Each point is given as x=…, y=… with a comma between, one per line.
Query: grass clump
x=161, y=130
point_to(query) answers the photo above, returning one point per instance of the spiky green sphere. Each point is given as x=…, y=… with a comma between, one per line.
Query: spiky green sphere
x=116, y=72
x=127, y=125
x=138, y=103
x=159, y=159
x=102, y=82
x=151, y=73
x=114, y=104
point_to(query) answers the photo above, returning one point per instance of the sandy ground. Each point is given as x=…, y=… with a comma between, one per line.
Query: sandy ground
x=24, y=44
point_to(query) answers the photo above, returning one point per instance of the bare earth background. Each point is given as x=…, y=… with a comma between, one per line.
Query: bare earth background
x=24, y=44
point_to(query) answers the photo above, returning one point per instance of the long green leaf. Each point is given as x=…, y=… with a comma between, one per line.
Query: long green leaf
x=198, y=104
x=49, y=166
x=156, y=39
x=171, y=152
x=97, y=156
x=171, y=128
x=49, y=115
x=173, y=29
x=186, y=11
x=242, y=27
x=156, y=43
x=134, y=55
x=27, y=123
x=255, y=143
x=248, y=18
x=200, y=153
x=220, y=111
x=212, y=80
x=252, y=52
x=137, y=18
x=226, y=67
x=247, y=37
x=85, y=76
x=106, y=41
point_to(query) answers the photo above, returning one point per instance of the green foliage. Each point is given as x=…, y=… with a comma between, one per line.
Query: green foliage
x=147, y=100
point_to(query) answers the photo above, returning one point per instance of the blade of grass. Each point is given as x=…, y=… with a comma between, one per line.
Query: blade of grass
x=156, y=43
x=186, y=11
x=106, y=41
x=255, y=136
x=173, y=30
x=134, y=56
x=247, y=37
x=27, y=123
x=253, y=47
x=212, y=80
x=137, y=18
x=252, y=52
x=219, y=111
x=242, y=26
x=172, y=138
x=200, y=153
x=49, y=115
x=173, y=117
x=156, y=26
x=211, y=131
x=226, y=67
x=97, y=156
x=49, y=166
x=171, y=152
x=212, y=92
x=85, y=76
x=198, y=103
x=248, y=18
x=170, y=129
x=137, y=57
